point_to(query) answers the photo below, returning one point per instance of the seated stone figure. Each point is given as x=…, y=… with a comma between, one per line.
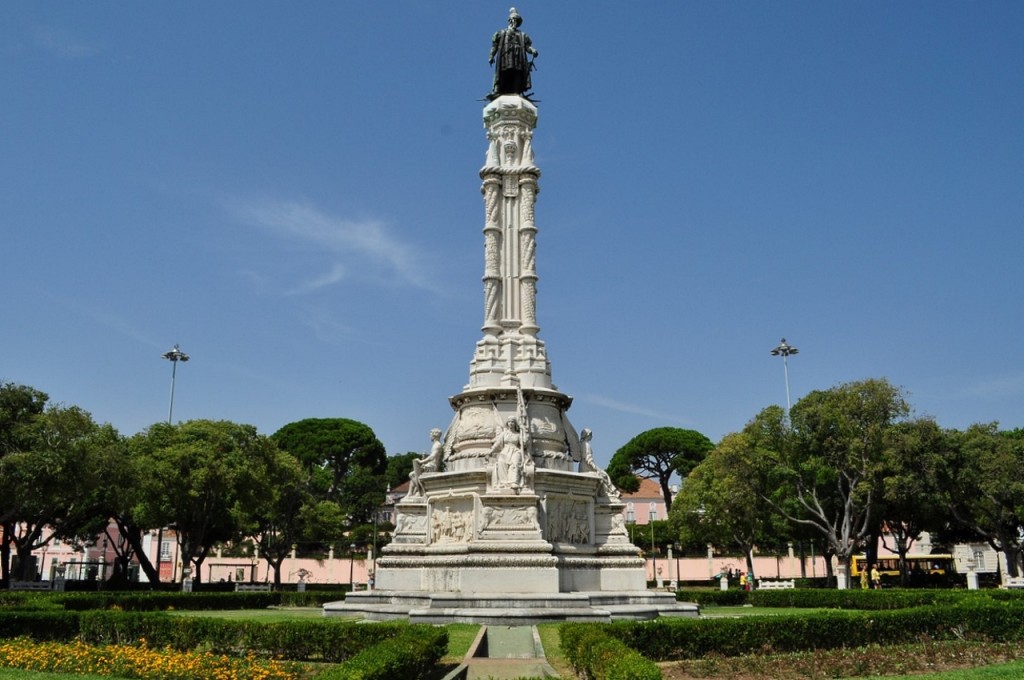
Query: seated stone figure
x=429, y=463
x=587, y=464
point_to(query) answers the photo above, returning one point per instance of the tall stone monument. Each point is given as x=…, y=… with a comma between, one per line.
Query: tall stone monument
x=509, y=510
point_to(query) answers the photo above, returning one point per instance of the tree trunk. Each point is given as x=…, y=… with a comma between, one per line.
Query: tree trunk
x=134, y=537
x=1011, y=551
x=26, y=569
x=5, y=551
x=830, y=576
x=275, y=564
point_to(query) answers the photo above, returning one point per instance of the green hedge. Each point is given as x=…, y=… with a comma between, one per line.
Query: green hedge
x=324, y=640
x=161, y=601
x=311, y=640
x=595, y=655
x=852, y=599
x=841, y=599
x=722, y=598
x=676, y=639
x=412, y=654
x=49, y=626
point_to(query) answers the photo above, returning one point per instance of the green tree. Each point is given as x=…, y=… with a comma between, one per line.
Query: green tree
x=831, y=460
x=399, y=467
x=915, y=452
x=723, y=500
x=658, y=454
x=277, y=509
x=197, y=471
x=48, y=484
x=19, y=406
x=345, y=459
x=116, y=502
x=985, y=487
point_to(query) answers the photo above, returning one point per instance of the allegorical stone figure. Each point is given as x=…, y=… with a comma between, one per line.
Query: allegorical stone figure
x=429, y=463
x=509, y=48
x=508, y=445
x=587, y=464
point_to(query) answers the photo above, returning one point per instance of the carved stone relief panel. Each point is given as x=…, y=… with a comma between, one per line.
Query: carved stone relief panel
x=451, y=520
x=497, y=518
x=568, y=520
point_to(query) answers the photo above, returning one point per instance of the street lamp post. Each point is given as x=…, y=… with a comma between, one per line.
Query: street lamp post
x=654, y=555
x=679, y=549
x=174, y=356
x=784, y=351
x=351, y=566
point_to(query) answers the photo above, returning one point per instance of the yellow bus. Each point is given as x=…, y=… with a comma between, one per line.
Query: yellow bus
x=916, y=564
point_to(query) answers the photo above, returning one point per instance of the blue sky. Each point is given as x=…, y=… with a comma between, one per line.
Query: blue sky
x=290, y=191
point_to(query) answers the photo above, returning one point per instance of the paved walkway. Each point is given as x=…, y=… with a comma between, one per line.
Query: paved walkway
x=511, y=652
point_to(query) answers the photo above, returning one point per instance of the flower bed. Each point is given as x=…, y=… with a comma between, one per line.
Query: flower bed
x=138, y=661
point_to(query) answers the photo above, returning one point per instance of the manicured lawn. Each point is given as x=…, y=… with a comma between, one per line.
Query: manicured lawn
x=552, y=644
x=1006, y=671
x=460, y=639
x=732, y=612
x=270, y=615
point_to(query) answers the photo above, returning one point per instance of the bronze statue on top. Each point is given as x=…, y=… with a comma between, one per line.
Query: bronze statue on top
x=509, y=48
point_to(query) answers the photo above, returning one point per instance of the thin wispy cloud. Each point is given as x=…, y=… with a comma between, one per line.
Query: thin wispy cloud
x=364, y=248
x=62, y=43
x=107, y=319
x=624, y=407
x=325, y=326
x=1003, y=386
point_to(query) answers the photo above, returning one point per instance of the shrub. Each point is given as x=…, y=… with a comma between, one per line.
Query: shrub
x=39, y=625
x=412, y=654
x=722, y=598
x=677, y=639
x=595, y=655
x=324, y=640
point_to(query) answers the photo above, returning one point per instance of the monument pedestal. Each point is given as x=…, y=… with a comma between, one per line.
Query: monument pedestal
x=465, y=535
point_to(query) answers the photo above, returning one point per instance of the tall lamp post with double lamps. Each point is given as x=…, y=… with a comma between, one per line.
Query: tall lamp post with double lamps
x=784, y=351
x=174, y=356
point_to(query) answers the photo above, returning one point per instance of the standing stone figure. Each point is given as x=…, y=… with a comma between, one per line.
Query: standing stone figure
x=429, y=463
x=509, y=48
x=587, y=464
x=508, y=445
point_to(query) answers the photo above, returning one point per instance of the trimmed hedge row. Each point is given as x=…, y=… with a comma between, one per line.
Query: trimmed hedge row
x=160, y=601
x=413, y=654
x=842, y=599
x=44, y=626
x=311, y=640
x=595, y=655
x=672, y=640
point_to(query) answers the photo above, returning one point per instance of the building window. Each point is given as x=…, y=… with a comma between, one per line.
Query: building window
x=165, y=551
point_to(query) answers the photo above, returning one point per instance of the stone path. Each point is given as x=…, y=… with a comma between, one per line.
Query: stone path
x=505, y=653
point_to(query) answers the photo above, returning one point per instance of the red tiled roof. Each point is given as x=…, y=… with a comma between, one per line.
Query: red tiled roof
x=649, y=490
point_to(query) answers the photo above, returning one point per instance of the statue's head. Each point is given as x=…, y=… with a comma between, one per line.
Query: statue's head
x=512, y=424
x=586, y=434
x=514, y=20
x=435, y=433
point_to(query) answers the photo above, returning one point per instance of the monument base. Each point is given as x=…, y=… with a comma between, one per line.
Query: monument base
x=509, y=609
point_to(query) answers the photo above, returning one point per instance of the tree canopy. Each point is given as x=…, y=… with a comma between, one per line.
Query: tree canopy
x=723, y=500
x=345, y=459
x=198, y=472
x=833, y=458
x=658, y=454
